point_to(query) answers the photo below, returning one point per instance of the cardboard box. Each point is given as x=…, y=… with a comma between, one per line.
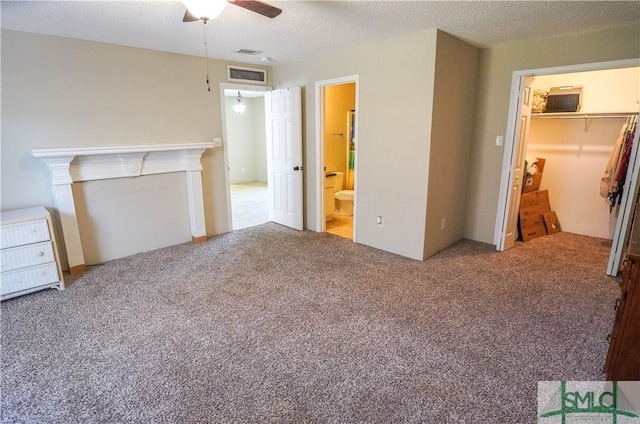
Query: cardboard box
x=551, y=223
x=532, y=219
x=529, y=199
x=529, y=233
x=533, y=208
x=535, y=198
x=543, y=201
x=543, y=197
x=530, y=210
x=532, y=182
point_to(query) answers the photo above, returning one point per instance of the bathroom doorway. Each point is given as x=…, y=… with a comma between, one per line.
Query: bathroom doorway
x=337, y=150
x=245, y=155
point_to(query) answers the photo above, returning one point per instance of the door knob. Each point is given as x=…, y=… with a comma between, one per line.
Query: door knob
x=296, y=168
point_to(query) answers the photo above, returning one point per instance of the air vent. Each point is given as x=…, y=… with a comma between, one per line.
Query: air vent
x=247, y=51
x=239, y=74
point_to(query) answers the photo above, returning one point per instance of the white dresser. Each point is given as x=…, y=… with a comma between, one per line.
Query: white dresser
x=29, y=258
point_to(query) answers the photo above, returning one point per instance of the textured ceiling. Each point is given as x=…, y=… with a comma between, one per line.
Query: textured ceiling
x=308, y=29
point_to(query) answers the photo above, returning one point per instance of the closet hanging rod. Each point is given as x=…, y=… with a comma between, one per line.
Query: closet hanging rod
x=583, y=116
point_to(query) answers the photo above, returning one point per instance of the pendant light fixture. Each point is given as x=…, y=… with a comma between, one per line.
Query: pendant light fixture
x=239, y=107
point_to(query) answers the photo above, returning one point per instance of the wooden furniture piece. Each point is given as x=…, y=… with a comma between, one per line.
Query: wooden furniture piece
x=623, y=358
x=29, y=258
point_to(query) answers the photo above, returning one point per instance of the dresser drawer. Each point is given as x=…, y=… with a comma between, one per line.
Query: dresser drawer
x=23, y=233
x=26, y=278
x=24, y=256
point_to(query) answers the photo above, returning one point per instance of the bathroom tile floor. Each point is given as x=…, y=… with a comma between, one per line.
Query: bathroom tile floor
x=341, y=226
x=249, y=205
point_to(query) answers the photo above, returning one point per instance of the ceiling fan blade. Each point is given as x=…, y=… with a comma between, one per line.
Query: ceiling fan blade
x=259, y=7
x=188, y=17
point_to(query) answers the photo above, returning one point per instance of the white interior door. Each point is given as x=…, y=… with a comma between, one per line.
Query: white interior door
x=627, y=208
x=284, y=153
x=510, y=224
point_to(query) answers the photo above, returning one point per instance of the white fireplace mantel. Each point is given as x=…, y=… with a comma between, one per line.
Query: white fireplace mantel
x=69, y=165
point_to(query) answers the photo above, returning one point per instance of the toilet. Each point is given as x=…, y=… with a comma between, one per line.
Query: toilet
x=343, y=198
x=344, y=202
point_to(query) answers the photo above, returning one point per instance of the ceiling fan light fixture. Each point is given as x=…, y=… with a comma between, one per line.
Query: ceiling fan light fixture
x=239, y=107
x=205, y=9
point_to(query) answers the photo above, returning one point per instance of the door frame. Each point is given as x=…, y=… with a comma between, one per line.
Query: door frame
x=506, y=179
x=321, y=224
x=225, y=151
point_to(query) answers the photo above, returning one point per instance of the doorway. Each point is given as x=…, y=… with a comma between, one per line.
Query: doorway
x=577, y=147
x=337, y=151
x=586, y=154
x=243, y=111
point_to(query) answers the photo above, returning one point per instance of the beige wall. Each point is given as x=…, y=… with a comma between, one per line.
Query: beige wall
x=338, y=101
x=59, y=92
x=492, y=103
x=394, y=135
x=453, y=108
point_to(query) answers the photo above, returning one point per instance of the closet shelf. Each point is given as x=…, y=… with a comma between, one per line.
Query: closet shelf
x=567, y=148
x=583, y=115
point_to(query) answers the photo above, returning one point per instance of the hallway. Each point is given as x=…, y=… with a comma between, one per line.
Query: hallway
x=249, y=204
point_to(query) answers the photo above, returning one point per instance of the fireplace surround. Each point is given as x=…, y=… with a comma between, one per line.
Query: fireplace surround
x=76, y=164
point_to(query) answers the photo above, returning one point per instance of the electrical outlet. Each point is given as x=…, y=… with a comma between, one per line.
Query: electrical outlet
x=442, y=223
x=380, y=221
x=217, y=142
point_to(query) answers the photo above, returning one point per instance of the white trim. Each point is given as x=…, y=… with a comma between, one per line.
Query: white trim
x=69, y=165
x=321, y=224
x=506, y=181
x=225, y=151
x=116, y=149
x=235, y=86
x=74, y=164
x=581, y=67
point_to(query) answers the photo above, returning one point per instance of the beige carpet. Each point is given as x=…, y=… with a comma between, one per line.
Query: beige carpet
x=271, y=325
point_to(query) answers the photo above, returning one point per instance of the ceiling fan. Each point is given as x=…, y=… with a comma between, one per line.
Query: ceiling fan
x=204, y=10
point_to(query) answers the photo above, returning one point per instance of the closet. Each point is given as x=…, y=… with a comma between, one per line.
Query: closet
x=576, y=146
